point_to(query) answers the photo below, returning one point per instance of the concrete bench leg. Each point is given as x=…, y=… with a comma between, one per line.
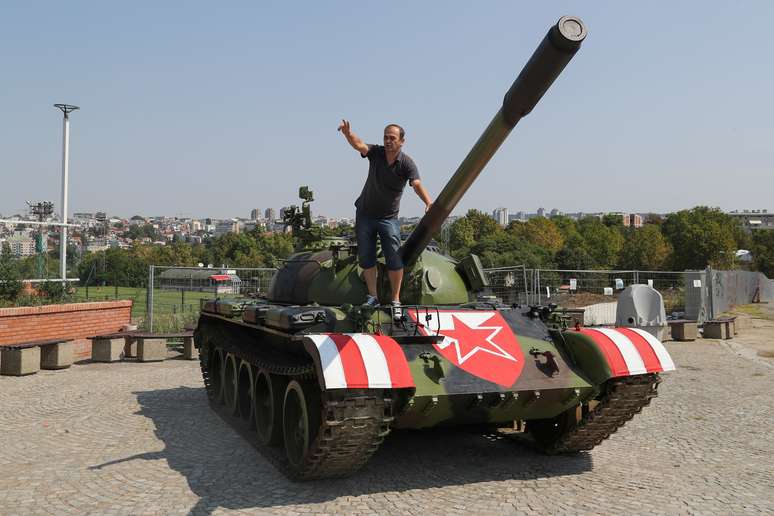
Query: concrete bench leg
x=107, y=350
x=56, y=356
x=684, y=331
x=151, y=350
x=189, y=350
x=130, y=348
x=716, y=330
x=20, y=362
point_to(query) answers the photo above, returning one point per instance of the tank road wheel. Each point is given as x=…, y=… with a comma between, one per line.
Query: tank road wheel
x=230, y=384
x=268, y=396
x=300, y=424
x=245, y=393
x=215, y=372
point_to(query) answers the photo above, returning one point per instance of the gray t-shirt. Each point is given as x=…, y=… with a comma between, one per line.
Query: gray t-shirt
x=380, y=198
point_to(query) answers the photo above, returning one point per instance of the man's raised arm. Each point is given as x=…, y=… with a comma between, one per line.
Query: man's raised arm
x=352, y=138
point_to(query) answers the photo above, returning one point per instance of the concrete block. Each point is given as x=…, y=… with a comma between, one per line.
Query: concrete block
x=151, y=350
x=107, y=350
x=20, y=362
x=130, y=347
x=189, y=350
x=684, y=331
x=56, y=356
x=717, y=330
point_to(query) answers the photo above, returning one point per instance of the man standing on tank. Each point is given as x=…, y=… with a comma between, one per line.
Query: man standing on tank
x=389, y=170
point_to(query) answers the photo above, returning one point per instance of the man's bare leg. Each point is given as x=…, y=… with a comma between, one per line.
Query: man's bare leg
x=369, y=275
x=396, y=278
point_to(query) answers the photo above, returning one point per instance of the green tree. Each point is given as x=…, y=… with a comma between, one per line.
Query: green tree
x=483, y=225
x=645, y=248
x=539, y=231
x=701, y=236
x=602, y=243
x=763, y=251
x=10, y=279
x=612, y=220
x=574, y=255
x=461, y=234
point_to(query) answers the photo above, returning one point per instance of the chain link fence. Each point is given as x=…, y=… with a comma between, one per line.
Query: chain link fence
x=170, y=298
x=174, y=293
x=579, y=288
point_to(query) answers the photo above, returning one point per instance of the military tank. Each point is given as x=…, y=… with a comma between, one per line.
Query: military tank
x=321, y=379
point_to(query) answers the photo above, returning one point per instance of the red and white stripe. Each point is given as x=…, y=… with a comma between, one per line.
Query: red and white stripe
x=631, y=351
x=361, y=361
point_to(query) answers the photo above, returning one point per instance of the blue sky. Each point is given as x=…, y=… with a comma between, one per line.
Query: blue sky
x=200, y=109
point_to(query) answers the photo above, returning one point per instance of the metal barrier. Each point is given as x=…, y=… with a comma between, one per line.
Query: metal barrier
x=174, y=293
x=574, y=288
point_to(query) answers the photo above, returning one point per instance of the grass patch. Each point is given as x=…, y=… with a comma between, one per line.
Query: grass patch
x=172, y=309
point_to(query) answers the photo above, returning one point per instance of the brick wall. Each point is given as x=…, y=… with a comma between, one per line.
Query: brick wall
x=71, y=321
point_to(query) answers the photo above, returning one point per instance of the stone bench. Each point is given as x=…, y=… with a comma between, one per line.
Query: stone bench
x=144, y=346
x=683, y=329
x=720, y=328
x=29, y=357
x=152, y=347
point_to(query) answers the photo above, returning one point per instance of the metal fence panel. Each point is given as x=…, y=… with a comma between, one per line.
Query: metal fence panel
x=174, y=293
x=576, y=288
x=730, y=288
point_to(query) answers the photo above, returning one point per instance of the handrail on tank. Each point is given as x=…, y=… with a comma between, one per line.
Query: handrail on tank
x=547, y=62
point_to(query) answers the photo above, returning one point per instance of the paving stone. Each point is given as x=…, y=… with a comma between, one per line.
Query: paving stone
x=140, y=438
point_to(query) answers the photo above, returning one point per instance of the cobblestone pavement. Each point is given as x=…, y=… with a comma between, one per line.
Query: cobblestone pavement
x=132, y=438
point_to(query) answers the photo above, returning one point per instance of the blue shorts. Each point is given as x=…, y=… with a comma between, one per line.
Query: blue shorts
x=366, y=230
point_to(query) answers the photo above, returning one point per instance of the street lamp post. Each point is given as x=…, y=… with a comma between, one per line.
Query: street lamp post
x=66, y=110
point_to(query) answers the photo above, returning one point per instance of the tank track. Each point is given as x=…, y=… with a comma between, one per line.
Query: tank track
x=624, y=398
x=351, y=431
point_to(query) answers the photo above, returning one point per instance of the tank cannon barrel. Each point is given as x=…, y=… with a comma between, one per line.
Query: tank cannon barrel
x=547, y=62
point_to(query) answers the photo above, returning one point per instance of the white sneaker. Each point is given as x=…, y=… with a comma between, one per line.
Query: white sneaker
x=397, y=311
x=372, y=301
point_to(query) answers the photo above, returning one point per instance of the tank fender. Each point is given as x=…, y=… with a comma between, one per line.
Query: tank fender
x=605, y=353
x=358, y=361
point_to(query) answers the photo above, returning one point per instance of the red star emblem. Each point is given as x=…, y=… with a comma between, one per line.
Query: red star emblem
x=478, y=341
x=468, y=341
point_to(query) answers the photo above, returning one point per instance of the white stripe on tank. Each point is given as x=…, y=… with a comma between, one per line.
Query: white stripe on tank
x=333, y=369
x=374, y=360
x=658, y=349
x=631, y=356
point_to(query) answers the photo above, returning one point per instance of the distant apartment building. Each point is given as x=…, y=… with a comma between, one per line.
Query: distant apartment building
x=270, y=214
x=754, y=219
x=632, y=220
x=250, y=225
x=541, y=212
x=94, y=245
x=137, y=221
x=255, y=214
x=519, y=216
x=226, y=226
x=21, y=245
x=501, y=216
x=82, y=216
